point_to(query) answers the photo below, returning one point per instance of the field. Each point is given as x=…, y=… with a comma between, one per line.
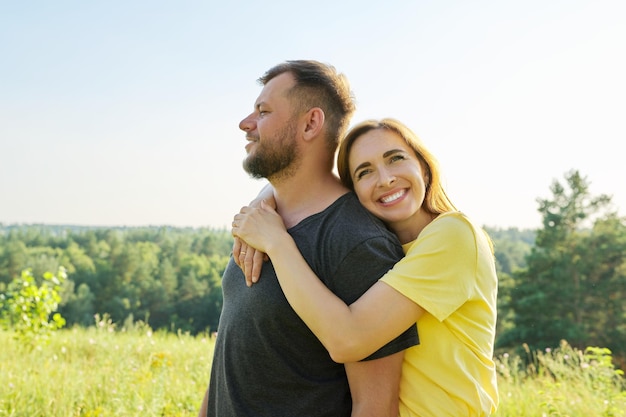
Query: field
x=102, y=371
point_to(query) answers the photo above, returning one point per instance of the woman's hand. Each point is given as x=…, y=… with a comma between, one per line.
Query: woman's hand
x=249, y=260
x=260, y=228
x=243, y=253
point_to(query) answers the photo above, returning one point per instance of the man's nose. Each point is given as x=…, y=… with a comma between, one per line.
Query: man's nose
x=247, y=124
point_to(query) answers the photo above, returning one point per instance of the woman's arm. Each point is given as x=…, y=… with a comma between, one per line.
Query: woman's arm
x=349, y=333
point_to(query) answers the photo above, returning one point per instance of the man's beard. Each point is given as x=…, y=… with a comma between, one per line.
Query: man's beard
x=274, y=158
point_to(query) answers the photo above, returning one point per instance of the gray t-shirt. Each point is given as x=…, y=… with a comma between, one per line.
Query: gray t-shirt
x=266, y=360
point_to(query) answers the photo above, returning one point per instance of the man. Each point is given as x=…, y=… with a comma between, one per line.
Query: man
x=266, y=361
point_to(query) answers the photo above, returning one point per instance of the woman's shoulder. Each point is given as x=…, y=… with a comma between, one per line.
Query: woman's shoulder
x=452, y=221
x=452, y=227
x=457, y=228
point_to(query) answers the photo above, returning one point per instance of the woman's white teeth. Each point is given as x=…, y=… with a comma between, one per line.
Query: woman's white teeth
x=392, y=197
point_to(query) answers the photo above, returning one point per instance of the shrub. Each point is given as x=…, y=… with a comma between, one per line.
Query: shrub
x=26, y=307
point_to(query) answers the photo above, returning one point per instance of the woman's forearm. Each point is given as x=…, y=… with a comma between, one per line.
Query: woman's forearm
x=349, y=333
x=328, y=317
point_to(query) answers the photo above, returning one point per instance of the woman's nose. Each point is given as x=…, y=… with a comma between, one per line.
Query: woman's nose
x=386, y=178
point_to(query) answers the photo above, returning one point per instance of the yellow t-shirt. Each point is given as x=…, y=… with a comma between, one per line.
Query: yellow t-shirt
x=449, y=270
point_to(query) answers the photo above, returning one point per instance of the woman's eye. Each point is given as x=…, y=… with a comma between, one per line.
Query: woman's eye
x=397, y=158
x=362, y=173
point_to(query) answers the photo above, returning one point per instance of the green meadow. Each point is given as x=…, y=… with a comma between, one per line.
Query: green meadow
x=104, y=371
x=98, y=371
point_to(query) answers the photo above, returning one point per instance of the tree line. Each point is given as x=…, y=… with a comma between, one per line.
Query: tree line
x=167, y=277
x=566, y=280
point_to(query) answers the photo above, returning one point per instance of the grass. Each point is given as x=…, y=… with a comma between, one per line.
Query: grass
x=101, y=371
x=561, y=382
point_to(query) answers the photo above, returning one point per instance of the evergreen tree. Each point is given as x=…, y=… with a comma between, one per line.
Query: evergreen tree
x=573, y=272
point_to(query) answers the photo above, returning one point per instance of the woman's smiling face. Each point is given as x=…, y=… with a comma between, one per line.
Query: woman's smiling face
x=388, y=177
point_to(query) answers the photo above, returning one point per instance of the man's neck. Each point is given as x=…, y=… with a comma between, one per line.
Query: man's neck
x=300, y=196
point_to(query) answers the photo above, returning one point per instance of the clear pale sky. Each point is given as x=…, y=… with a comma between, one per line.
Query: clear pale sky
x=125, y=113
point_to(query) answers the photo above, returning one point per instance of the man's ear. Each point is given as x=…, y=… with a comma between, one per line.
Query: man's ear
x=314, y=120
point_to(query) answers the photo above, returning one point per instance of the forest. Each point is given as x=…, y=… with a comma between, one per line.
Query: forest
x=563, y=281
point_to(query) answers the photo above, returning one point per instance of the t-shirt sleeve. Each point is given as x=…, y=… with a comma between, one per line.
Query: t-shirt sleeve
x=438, y=271
x=361, y=269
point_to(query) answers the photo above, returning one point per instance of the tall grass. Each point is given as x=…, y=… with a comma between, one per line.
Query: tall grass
x=561, y=382
x=101, y=371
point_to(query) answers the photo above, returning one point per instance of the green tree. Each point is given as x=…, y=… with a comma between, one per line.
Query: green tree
x=572, y=272
x=602, y=313
x=13, y=258
x=162, y=299
x=169, y=277
x=78, y=308
x=511, y=248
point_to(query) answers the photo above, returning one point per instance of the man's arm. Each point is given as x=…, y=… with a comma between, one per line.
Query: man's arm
x=203, y=407
x=375, y=386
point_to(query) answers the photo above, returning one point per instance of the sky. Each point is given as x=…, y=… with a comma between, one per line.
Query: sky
x=126, y=113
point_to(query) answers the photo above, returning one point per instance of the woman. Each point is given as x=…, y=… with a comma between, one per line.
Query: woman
x=446, y=282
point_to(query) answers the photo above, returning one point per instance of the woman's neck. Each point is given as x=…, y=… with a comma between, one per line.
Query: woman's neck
x=409, y=229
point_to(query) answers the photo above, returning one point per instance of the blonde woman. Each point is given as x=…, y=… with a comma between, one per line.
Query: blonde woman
x=446, y=283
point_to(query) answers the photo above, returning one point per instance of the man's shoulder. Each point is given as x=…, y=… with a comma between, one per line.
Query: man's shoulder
x=348, y=212
x=347, y=221
x=348, y=208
